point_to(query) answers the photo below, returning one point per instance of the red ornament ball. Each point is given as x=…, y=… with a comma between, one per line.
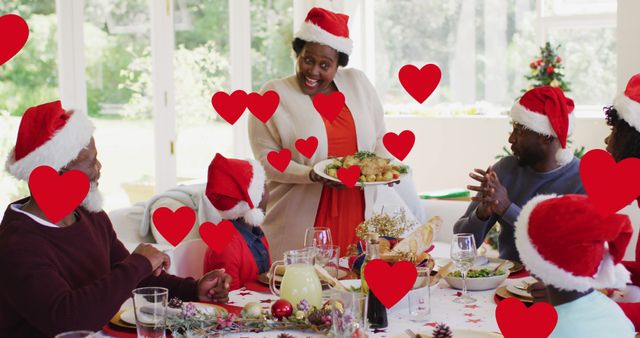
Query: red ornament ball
x=281, y=308
x=550, y=70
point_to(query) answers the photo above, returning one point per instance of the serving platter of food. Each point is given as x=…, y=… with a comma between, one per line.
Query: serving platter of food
x=374, y=170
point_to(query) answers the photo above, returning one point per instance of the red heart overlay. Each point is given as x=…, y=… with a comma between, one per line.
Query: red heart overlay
x=307, y=147
x=420, y=83
x=230, y=107
x=349, y=176
x=15, y=33
x=263, y=106
x=611, y=186
x=57, y=195
x=217, y=236
x=515, y=320
x=174, y=226
x=377, y=273
x=330, y=105
x=280, y=160
x=399, y=145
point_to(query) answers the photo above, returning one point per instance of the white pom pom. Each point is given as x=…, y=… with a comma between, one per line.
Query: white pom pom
x=610, y=275
x=254, y=216
x=564, y=156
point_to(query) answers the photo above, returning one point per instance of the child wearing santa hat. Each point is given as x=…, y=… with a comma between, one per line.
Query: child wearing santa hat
x=568, y=245
x=624, y=142
x=236, y=189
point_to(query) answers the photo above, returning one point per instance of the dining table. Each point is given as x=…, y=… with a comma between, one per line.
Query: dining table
x=478, y=316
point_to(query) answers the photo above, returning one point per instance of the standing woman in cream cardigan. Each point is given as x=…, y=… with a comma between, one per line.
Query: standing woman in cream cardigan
x=299, y=198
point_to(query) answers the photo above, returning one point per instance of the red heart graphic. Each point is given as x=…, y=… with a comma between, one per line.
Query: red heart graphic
x=515, y=320
x=307, y=147
x=611, y=186
x=263, y=106
x=420, y=83
x=399, y=145
x=217, y=236
x=280, y=160
x=174, y=226
x=230, y=107
x=377, y=273
x=330, y=105
x=15, y=33
x=349, y=176
x=57, y=195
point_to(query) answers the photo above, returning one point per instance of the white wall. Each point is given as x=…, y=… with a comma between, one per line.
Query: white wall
x=448, y=148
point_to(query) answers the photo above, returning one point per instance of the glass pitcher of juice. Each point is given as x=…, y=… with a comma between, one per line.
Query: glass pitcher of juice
x=300, y=280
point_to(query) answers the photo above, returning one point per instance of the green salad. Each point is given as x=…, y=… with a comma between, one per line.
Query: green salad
x=479, y=273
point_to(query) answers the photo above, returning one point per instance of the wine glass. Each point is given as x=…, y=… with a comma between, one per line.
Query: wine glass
x=463, y=254
x=319, y=238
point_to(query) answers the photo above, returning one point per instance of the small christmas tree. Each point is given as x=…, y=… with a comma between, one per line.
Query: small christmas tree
x=547, y=70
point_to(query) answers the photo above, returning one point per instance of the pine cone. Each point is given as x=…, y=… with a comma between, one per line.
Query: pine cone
x=175, y=303
x=442, y=331
x=315, y=317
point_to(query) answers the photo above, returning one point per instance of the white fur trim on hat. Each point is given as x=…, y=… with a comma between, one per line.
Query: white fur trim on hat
x=313, y=33
x=629, y=110
x=255, y=190
x=552, y=274
x=536, y=121
x=57, y=152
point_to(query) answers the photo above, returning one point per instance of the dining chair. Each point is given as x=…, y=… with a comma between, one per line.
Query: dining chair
x=187, y=258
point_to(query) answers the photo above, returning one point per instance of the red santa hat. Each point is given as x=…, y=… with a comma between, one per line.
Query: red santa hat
x=566, y=243
x=48, y=135
x=547, y=111
x=628, y=103
x=235, y=188
x=328, y=28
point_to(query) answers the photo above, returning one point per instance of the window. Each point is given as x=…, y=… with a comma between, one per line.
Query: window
x=118, y=80
x=586, y=29
x=484, y=47
x=201, y=68
x=29, y=78
x=271, y=36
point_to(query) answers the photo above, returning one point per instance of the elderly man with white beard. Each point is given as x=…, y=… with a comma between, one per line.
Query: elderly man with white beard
x=73, y=274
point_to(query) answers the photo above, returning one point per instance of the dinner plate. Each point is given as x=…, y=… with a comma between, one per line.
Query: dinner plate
x=117, y=321
x=128, y=316
x=460, y=334
x=502, y=292
x=320, y=166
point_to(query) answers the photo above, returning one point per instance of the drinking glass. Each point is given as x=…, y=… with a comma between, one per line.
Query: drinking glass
x=419, y=297
x=329, y=258
x=75, y=334
x=348, y=314
x=463, y=254
x=318, y=238
x=150, y=307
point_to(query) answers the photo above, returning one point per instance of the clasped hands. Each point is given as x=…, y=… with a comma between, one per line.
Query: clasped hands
x=492, y=196
x=212, y=287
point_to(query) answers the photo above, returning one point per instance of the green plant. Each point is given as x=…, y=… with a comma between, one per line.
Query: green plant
x=547, y=70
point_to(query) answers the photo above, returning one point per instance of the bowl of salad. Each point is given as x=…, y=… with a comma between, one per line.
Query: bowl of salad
x=478, y=279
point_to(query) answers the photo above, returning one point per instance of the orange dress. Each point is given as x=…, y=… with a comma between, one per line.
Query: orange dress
x=341, y=210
